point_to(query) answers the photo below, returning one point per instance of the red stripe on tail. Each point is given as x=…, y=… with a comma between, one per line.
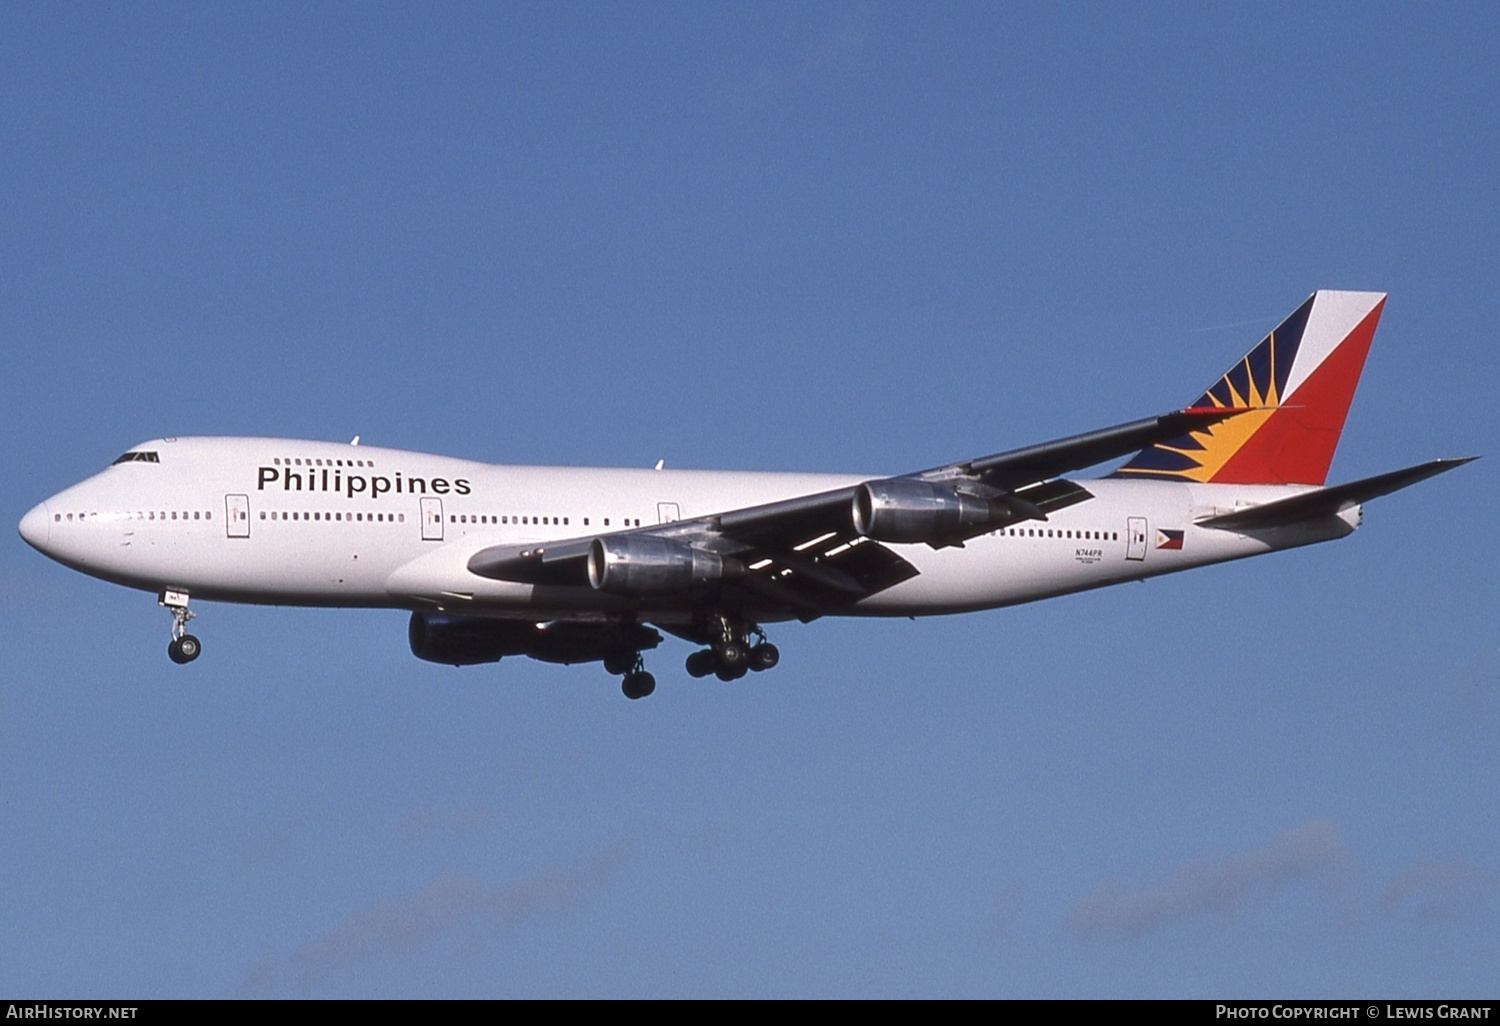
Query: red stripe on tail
x=1295, y=445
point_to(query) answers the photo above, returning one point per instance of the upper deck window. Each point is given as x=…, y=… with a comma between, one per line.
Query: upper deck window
x=138, y=457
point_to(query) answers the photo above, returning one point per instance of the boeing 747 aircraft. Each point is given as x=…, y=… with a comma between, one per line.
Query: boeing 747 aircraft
x=576, y=565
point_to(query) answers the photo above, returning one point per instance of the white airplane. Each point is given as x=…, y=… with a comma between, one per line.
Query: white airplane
x=576, y=565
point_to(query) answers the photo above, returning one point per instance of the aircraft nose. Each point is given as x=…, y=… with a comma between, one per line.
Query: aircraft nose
x=36, y=526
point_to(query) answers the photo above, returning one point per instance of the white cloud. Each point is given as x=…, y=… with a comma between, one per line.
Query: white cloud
x=1312, y=852
x=1435, y=890
x=449, y=905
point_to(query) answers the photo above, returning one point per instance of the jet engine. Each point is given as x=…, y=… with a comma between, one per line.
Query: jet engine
x=461, y=640
x=468, y=640
x=906, y=510
x=636, y=564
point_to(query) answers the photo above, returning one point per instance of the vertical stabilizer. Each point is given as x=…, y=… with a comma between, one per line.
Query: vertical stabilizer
x=1299, y=382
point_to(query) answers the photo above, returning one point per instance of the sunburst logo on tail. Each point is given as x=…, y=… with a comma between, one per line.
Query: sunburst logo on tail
x=1256, y=384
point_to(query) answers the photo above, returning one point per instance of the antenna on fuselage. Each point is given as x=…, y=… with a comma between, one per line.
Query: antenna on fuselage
x=660, y=464
x=354, y=440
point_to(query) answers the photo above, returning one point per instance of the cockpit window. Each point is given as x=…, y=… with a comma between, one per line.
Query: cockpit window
x=138, y=457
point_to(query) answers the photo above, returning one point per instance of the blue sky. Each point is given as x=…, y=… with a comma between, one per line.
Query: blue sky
x=770, y=236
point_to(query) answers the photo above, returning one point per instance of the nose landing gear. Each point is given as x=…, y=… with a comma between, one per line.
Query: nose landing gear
x=184, y=647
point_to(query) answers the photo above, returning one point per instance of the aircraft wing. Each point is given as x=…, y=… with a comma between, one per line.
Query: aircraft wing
x=1018, y=467
x=816, y=553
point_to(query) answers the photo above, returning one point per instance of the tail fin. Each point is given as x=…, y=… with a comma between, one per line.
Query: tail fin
x=1300, y=379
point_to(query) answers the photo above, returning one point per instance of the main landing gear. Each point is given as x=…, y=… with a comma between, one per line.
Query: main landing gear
x=184, y=648
x=736, y=648
x=636, y=682
x=734, y=654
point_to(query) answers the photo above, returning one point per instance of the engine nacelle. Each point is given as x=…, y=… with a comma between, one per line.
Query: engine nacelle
x=461, y=640
x=901, y=509
x=642, y=564
x=468, y=640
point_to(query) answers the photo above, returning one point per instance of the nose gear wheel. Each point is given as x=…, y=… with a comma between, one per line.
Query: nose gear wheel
x=184, y=647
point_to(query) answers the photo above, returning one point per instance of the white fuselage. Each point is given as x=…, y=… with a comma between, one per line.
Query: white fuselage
x=316, y=523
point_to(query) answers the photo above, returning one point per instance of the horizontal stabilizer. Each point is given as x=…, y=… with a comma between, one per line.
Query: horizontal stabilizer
x=1330, y=501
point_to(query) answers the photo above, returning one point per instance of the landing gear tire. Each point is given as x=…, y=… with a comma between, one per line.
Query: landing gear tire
x=764, y=656
x=729, y=655
x=621, y=662
x=184, y=649
x=736, y=647
x=638, y=684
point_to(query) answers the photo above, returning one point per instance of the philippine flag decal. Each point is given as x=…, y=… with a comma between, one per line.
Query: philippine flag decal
x=1169, y=539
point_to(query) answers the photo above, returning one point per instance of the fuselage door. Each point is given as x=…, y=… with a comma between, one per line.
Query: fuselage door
x=237, y=515
x=432, y=519
x=1135, y=538
x=667, y=512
